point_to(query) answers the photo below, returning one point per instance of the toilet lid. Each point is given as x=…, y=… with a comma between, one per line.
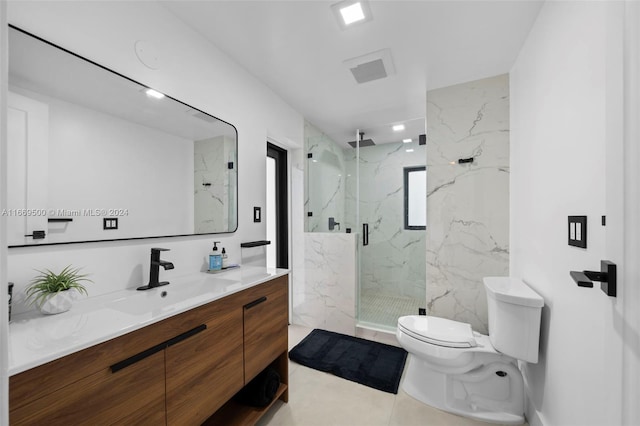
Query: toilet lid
x=438, y=331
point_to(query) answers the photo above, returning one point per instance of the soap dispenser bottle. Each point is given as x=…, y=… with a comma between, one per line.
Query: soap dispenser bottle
x=225, y=259
x=215, y=258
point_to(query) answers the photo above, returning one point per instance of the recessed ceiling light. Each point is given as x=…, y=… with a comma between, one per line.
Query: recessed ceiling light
x=407, y=140
x=352, y=13
x=398, y=127
x=154, y=93
x=349, y=12
x=409, y=150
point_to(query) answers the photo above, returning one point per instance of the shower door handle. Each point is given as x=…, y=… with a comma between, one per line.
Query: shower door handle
x=365, y=234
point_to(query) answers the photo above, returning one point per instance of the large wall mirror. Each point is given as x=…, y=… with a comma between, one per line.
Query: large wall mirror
x=94, y=155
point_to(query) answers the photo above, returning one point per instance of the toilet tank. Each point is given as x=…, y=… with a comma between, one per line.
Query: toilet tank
x=514, y=317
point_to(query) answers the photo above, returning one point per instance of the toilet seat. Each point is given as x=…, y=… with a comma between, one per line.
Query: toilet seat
x=438, y=331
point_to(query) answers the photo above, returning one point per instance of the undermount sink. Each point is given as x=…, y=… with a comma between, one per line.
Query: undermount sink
x=169, y=296
x=149, y=301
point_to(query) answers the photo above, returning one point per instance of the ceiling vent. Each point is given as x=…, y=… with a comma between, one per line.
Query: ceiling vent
x=372, y=66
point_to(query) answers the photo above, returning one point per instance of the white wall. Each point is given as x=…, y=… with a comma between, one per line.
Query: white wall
x=631, y=357
x=565, y=97
x=191, y=70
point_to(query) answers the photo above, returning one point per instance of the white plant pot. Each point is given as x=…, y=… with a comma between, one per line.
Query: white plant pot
x=57, y=303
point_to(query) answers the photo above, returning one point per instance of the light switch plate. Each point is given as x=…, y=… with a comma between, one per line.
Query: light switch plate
x=110, y=223
x=577, y=232
x=256, y=214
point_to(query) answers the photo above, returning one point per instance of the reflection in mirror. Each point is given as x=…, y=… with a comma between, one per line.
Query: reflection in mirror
x=87, y=145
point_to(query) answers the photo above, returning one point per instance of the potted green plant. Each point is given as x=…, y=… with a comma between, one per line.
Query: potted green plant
x=54, y=293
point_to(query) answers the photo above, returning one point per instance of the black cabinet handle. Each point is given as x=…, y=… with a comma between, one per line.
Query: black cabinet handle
x=186, y=335
x=255, y=302
x=137, y=357
x=157, y=348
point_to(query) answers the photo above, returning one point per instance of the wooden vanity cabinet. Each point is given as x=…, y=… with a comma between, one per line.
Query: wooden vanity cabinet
x=265, y=313
x=266, y=318
x=134, y=395
x=178, y=371
x=205, y=370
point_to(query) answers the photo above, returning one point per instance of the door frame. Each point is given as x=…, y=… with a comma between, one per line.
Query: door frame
x=282, y=204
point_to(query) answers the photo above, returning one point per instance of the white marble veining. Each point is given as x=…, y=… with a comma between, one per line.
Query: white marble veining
x=214, y=206
x=35, y=339
x=326, y=296
x=393, y=263
x=325, y=181
x=467, y=204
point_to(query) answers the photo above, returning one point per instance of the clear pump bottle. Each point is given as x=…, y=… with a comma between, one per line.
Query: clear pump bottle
x=215, y=258
x=225, y=259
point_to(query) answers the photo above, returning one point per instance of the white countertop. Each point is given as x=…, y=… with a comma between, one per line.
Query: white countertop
x=35, y=339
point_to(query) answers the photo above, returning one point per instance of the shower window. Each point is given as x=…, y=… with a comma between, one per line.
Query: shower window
x=415, y=195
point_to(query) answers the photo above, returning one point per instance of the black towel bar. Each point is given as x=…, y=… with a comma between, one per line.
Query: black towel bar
x=255, y=243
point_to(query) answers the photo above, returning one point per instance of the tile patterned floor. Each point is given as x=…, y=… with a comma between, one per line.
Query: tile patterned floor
x=322, y=399
x=385, y=310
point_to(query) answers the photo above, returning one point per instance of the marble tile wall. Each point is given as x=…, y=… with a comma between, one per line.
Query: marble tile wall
x=325, y=180
x=214, y=186
x=324, y=295
x=393, y=263
x=467, y=234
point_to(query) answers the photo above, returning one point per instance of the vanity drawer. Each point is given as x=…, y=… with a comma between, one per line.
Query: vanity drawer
x=55, y=375
x=134, y=395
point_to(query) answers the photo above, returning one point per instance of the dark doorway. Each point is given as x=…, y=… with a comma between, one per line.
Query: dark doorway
x=277, y=205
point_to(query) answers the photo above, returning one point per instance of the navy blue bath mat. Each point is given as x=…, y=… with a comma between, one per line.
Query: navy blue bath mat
x=369, y=363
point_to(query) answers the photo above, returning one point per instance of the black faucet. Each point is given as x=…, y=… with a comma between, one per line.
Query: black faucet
x=154, y=272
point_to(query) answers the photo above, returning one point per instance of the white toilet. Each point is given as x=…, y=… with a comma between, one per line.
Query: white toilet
x=455, y=369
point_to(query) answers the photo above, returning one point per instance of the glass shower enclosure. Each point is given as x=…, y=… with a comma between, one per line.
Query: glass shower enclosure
x=379, y=192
